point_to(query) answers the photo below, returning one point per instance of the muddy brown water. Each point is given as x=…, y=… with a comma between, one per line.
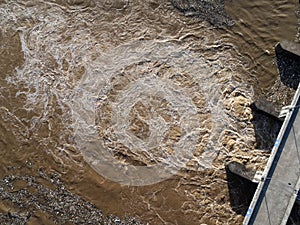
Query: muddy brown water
x=52, y=51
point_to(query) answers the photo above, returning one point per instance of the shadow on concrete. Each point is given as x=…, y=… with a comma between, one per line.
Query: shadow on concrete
x=266, y=128
x=288, y=66
x=241, y=192
x=294, y=218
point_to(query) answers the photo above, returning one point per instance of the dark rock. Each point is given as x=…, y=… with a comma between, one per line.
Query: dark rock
x=62, y=205
x=212, y=11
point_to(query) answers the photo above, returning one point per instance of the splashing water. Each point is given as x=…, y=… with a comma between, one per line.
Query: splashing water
x=178, y=82
x=153, y=69
x=136, y=97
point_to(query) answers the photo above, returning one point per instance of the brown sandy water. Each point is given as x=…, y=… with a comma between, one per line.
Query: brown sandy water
x=67, y=66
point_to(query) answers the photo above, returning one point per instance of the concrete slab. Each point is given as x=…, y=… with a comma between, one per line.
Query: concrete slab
x=291, y=46
x=268, y=107
x=276, y=194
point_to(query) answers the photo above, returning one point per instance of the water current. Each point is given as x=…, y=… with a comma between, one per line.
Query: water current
x=136, y=106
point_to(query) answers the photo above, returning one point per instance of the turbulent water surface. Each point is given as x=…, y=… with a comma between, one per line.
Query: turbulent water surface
x=134, y=107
